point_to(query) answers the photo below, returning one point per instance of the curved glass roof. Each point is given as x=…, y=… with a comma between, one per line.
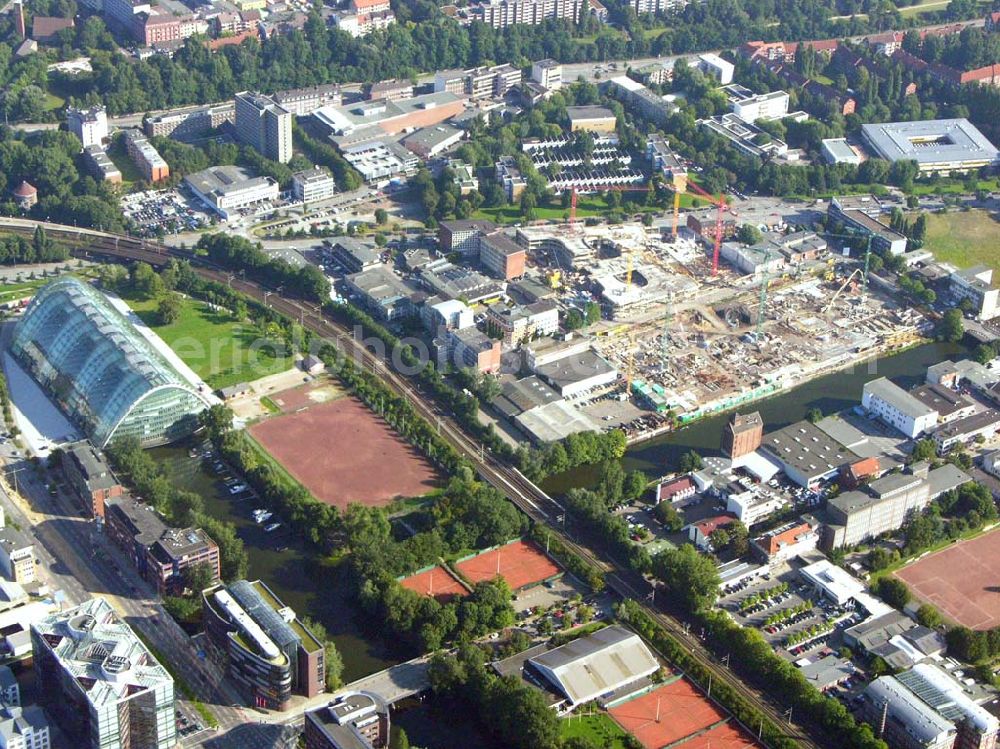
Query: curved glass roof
x=100, y=369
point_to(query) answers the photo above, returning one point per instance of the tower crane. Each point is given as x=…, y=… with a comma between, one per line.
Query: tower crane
x=721, y=206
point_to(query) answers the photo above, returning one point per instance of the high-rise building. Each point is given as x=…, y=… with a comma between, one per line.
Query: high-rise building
x=265, y=125
x=106, y=690
x=742, y=435
x=24, y=728
x=89, y=125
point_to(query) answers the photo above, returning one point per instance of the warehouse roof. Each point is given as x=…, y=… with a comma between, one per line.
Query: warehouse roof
x=575, y=368
x=589, y=113
x=807, y=449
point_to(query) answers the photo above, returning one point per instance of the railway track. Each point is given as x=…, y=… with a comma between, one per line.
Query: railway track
x=529, y=498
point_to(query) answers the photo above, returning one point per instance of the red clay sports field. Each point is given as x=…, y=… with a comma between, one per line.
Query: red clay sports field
x=677, y=714
x=436, y=582
x=342, y=453
x=961, y=580
x=519, y=563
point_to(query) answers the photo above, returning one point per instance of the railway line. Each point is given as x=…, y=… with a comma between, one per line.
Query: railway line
x=529, y=498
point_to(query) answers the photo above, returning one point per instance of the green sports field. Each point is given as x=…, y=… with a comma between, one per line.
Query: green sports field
x=964, y=238
x=599, y=728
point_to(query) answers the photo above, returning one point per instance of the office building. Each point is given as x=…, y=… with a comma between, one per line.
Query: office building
x=353, y=255
x=303, y=101
x=884, y=504
x=89, y=125
x=90, y=477
x=785, y=542
x=518, y=324
x=385, y=294
x=663, y=159
x=355, y=720
x=938, y=146
x=364, y=121
x=745, y=136
x=864, y=220
x=229, y=190
x=378, y=161
x=17, y=555
x=391, y=90
x=898, y=408
x=640, y=99
x=313, y=184
x=264, y=125
x=463, y=235
x=100, y=165
x=502, y=256
x=975, y=726
x=24, y=728
x=146, y=158
x=512, y=182
x=162, y=555
x=106, y=689
x=478, y=83
x=976, y=285
x=189, y=123
x=742, y=434
x=109, y=379
x=269, y=653
x=980, y=427
x=547, y=73
x=446, y=314
x=468, y=348
x=770, y=106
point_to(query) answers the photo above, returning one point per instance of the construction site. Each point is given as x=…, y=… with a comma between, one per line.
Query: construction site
x=695, y=326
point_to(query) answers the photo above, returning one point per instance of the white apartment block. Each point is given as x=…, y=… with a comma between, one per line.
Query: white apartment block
x=89, y=125
x=771, y=106
x=715, y=66
x=547, y=73
x=503, y=13
x=313, y=184
x=657, y=6
x=265, y=125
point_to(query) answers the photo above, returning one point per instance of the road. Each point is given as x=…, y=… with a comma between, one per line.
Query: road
x=523, y=493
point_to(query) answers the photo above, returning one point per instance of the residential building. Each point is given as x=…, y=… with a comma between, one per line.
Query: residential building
x=189, y=123
x=89, y=125
x=606, y=661
x=478, y=83
x=976, y=285
x=391, y=90
x=519, y=324
x=502, y=256
x=938, y=146
x=106, y=689
x=715, y=66
x=90, y=477
x=236, y=23
x=100, y=165
x=510, y=178
x=265, y=125
x=161, y=554
x=503, y=13
x=547, y=73
x=303, y=101
x=640, y=99
x=24, y=728
x=372, y=15
x=146, y=158
x=313, y=184
x=742, y=434
x=353, y=255
x=355, y=720
x=463, y=235
x=657, y=6
x=593, y=119
x=270, y=655
x=785, y=542
x=885, y=503
x=676, y=490
x=898, y=408
x=229, y=190
x=853, y=475
x=699, y=533
x=17, y=555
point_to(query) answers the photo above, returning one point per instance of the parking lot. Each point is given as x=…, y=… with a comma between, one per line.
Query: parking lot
x=163, y=211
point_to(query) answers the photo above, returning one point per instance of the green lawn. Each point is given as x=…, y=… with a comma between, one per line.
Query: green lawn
x=130, y=172
x=964, y=238
x=587, y=205
x=599, y=728
x=219, y=350
x=53, y=102
x=953, y=187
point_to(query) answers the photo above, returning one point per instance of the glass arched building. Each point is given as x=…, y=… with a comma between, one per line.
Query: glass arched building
x=100, y=370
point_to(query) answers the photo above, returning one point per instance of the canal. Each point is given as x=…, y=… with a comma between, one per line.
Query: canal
x=317, y=588
x=311, y=585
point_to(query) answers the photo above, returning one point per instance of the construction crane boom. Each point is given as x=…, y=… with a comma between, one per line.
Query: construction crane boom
x=720, y=207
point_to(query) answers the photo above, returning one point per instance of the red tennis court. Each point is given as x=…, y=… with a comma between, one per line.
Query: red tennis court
x=726, y=736
x=520, y=563
x=666, y=714
x=961, y=580
x=435, y=582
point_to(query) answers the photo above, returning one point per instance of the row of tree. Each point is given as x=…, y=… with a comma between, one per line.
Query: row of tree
x=583, y=448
